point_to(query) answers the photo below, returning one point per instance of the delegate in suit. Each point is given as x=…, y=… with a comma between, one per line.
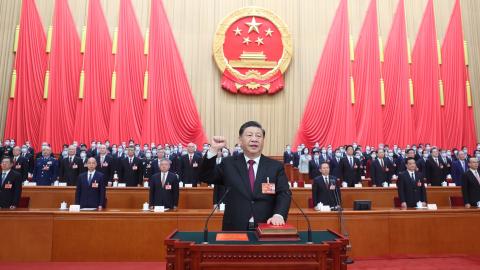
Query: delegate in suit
x=91, y=190
x=10, y=185
x=257, y=185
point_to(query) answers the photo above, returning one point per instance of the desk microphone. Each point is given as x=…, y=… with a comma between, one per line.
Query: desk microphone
x=205, y=229
x=309, y=228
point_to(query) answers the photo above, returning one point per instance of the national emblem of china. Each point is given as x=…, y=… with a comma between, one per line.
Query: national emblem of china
x=252, y=48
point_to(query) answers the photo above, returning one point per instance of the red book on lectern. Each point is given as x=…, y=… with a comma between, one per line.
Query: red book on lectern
x=267, y=232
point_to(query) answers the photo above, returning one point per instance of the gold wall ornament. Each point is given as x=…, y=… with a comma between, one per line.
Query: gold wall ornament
x=252, y=47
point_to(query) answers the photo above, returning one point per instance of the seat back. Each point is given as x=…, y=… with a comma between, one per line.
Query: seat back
x=456, y=201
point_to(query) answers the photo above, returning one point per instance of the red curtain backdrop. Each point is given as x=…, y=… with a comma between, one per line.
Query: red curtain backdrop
x=366, y=75
x=58, y=114
x=425, y=69
x=329, y=117
x=93, y=111
x=24, y=110
x=398, y=119
x=127, y=109
x=170, y=112
x=457, y=117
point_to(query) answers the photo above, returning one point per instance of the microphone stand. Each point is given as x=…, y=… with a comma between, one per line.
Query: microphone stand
x=205, y=228
x=343, y=228
x=309, y=228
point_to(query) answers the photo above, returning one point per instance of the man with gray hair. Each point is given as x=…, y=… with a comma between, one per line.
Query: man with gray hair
x=164, y=189
x=70, y=167
x=189, y=166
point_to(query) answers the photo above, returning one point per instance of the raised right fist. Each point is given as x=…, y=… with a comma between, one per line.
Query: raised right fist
x=218, y=143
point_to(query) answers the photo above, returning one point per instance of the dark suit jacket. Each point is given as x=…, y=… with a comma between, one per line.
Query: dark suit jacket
x=313, y=168
x=69, y=172
x=107, y=167
x=188, y=172
x=409, y=191
x=335, y=167
x=21, y=166
x=241, y=202
x=287, y=157
x=296, y=159
x=435, y=173
x=380, y=174
x=349, y=174
x=322, y=192
x=458, y=170
x=88, y=196
x=470, y=188
x=10, y=196
x=127, y=173
x=160, y=196
x=421, y=165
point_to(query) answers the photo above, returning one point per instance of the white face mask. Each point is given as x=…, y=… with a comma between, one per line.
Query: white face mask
x=24, y=150
x=338, y=155
x=390, y=154
x=148, y=155
x=145, y=148
x=329, y=150
x=83, y=155
x=167, y=152
x=225, y=154
x=154, y=151
x=425, y=155
x=373, y=156
x=305, y=152
x=316, y=156
x=324, y=151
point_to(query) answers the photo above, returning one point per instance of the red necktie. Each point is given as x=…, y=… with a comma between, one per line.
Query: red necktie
x=251, y=173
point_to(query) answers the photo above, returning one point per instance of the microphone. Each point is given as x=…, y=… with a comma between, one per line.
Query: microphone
x=309, y=228
x=333, y=182
x=205, y=229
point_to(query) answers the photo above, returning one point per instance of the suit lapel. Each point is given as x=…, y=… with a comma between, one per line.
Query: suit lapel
x=261, y=170
x=241, y=167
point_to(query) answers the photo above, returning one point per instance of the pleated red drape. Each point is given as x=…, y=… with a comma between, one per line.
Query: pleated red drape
x=366, y=75
x=425, y=69
x=170, y=112
x=24, y=110
x=58, y=114
x=328, y=117
x=127, y=109
x=398, y=119
x=93, y=111
x=457, y=117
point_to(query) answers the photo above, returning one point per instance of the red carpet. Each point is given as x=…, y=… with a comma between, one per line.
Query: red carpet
x=437, y=263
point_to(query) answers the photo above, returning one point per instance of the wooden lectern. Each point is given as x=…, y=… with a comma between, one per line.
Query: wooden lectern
x=186, y=250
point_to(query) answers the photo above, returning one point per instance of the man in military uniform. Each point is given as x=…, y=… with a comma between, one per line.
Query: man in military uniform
x=46, y=168
x=147, y=165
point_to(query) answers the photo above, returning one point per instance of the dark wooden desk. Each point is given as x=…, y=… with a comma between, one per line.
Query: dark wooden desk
x=133, y=235
x=201, y=197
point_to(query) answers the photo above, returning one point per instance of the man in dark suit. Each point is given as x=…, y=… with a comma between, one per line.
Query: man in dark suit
x=105, y=163
x=350, y=168
x=296, y=156
x=288, y=155
x=131, y=169
x=189, y=166
x=422, y=163
x=147, y=165
x=164, y=187
x=20, y=164
x=434, y=169
x=471, y=184
x=459, y=167
x=410, y=185
x=335, y=164
x=91, y=190
x=46, y=168
x=70, y=167
x=314, y=164
x=324, y=186
x=447, y=161
x=10, y=185
x=380, y=169
x=257, y=185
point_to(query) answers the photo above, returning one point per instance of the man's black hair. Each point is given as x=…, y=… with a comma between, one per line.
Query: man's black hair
x=250, y=124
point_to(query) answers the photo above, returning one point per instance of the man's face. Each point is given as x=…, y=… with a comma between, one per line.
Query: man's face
x=473, y=163
x=71, y=150
x=461, y=155
x=349, y=151
x=16, y=151
x=46, y=152
x=435, y=152
x=191, y=148
x=102, y=149
x=131, y=151
x=252, y=141
x=6, y=164
x=325, y=169
x=91, y=164
x=411, y=166
x=160, y=153
x=381, y=154
x=164, y=165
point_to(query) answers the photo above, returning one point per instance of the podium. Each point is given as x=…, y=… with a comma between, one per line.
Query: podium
x=186, y=250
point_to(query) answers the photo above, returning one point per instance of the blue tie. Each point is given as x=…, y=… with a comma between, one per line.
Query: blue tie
x=89, y=178
x=4, y=175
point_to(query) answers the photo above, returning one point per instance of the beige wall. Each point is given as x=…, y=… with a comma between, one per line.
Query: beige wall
x=194, y=24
